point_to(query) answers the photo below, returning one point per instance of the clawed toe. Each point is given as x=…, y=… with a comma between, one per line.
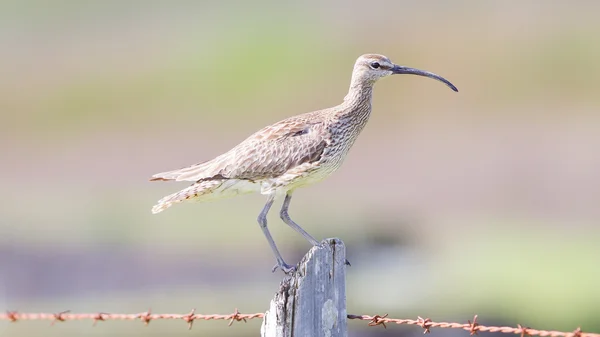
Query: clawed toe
x=286, y=268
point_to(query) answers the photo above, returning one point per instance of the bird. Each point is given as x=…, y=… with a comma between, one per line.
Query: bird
x=293, y=153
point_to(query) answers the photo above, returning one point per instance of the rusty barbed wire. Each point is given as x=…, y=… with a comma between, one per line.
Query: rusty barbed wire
x=145, y=317
x=473, y=327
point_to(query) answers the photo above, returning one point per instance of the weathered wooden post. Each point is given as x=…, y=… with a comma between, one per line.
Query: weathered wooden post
x=312, y=301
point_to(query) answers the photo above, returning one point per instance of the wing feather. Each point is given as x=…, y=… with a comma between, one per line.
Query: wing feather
x=267, y=153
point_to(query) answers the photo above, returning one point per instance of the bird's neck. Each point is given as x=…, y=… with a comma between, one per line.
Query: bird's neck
x=358, y=99
x=353, y=114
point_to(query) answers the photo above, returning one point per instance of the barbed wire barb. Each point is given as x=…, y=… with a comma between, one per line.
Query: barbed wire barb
x=189, y=318
x=474, y=326
x=60, y=317
x=425, y=324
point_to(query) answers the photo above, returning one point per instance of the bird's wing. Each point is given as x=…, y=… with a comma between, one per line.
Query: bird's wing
x=267, y=153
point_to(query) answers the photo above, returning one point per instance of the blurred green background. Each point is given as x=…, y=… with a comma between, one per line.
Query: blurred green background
x=484, y=201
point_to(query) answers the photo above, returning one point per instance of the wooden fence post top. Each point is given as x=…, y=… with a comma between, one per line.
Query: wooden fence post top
x=311, y=302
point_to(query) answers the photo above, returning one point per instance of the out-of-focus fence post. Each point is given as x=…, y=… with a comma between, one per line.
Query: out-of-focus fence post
x=312, y=301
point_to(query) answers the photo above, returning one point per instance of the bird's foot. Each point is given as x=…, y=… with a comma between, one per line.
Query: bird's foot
x=348, y=263
x=286, y=268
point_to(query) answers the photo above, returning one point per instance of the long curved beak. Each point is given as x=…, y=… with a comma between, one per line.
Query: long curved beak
x=406, y=70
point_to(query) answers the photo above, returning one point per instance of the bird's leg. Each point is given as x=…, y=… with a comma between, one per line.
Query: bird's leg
x=262, y=221
x=286, y=218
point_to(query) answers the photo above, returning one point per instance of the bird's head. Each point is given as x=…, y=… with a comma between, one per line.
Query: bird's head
x=371, y=67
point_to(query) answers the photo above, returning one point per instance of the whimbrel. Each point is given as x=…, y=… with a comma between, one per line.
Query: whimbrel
x=295, y=152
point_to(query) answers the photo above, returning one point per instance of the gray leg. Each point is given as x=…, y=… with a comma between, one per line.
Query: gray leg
x=286, y=218
x=262, y=221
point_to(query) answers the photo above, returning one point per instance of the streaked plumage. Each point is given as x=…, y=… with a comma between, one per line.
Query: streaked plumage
x=295, y=152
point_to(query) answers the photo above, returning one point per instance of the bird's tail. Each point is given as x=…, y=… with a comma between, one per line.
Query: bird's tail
x=193, y=192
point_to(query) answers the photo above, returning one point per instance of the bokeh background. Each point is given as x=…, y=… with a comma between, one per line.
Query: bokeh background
x=484, y=201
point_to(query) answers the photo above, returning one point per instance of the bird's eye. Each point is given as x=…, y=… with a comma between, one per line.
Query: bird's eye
x=375, y=65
